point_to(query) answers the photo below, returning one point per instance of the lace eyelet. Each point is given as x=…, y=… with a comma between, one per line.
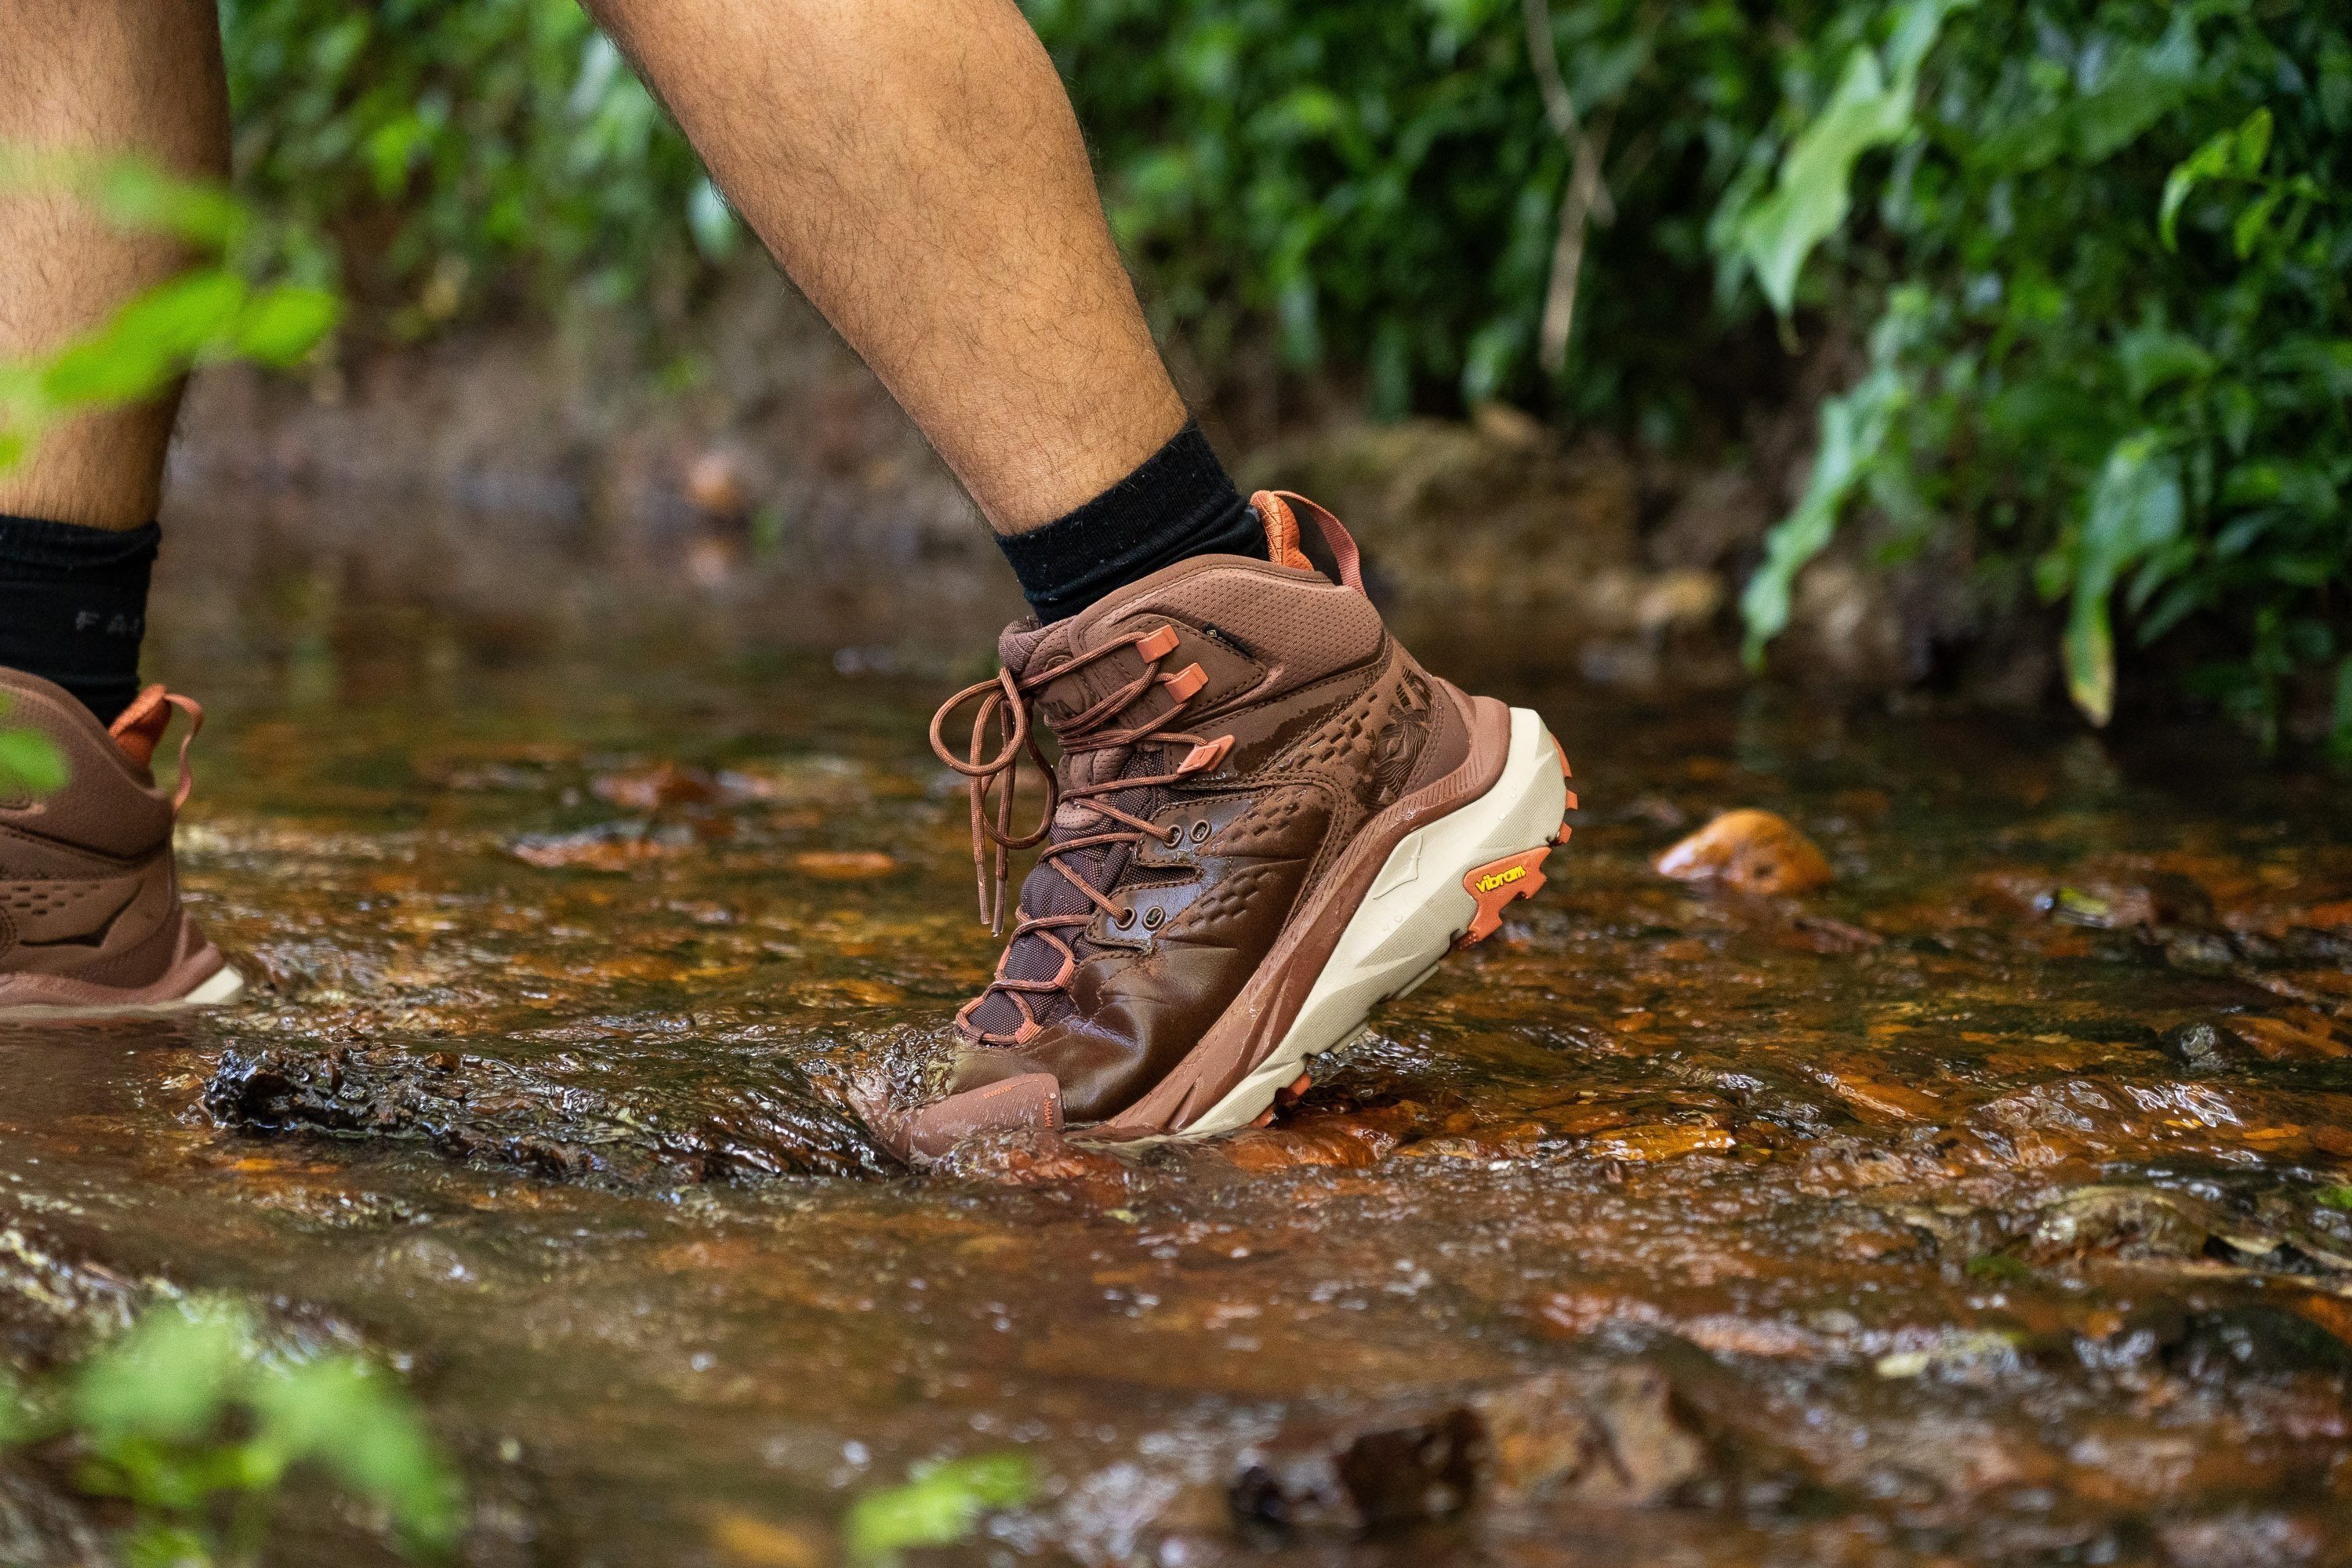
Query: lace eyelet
x=1124, y=919
x=1176, y=835
x=1154, y=918
x=1199, y=832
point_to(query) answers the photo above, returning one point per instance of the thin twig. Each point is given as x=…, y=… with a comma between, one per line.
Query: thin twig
x=1584, y=203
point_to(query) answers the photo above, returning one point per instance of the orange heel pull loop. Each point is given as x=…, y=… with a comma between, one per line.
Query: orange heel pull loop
x=1280, y=510
x=139, y=731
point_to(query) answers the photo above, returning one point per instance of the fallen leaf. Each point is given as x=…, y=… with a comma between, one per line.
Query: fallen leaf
x=755, y=1543
x=1752, y=851
x=844, y=865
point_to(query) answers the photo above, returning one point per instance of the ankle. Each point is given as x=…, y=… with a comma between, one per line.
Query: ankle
x=1179, y=503
x=73, y=607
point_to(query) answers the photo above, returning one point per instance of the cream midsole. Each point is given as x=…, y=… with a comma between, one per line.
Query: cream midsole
x=1412, y=914
x=226, y=985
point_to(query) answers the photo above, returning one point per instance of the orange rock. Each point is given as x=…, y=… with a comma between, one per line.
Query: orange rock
x=715, y=484
x=650, y=789
x=844, y=865
x=1659, y=1141
x=1751, y=851
x=1347, y=1142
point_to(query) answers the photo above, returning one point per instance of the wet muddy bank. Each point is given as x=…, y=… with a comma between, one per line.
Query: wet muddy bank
x=748, y=474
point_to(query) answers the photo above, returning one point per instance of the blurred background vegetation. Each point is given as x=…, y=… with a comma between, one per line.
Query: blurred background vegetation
x=2072, y=271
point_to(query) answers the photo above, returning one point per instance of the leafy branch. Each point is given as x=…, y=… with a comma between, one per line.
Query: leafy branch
x=196, y=1421
x=222, y=309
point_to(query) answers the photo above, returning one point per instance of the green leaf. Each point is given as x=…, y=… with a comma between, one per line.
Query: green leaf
x=711, y=221
x=344, y=1415
x=2208, y=162
x=2153, y=356
x=2136, y=507
x=1872, y=107
x=2141, y=85
x=30, y=763
x=1854, y=430
x=168, y=1377
x=282, y=324
x=148, y=342
x=938, y=1507
x=2253, y=143
x=2247, y=232
x=131, y=192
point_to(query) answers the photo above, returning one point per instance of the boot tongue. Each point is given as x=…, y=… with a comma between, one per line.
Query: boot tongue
x=1026, y=649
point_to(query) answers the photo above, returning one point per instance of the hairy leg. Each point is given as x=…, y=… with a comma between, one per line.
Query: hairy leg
x=140, y=77
x=915, y=165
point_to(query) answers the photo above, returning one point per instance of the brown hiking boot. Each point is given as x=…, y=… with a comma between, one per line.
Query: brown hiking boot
x=90, y=908
x=1266, y=819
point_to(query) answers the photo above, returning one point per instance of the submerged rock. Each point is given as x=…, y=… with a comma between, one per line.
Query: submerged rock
x=1615, y=1439
x=1371, y=1475
x=1749, y=851
x=2232, y=1343
x=1611, y=1438
x=646, y=1130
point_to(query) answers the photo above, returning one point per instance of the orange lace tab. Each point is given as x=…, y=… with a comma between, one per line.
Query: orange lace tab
x=1158, y=645
x=1204, y=756
x=1186, y=682
x=1281, y=510
x=139, y=731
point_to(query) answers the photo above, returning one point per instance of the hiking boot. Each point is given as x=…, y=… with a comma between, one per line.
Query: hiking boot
x=1266, y=820
x=90, y=907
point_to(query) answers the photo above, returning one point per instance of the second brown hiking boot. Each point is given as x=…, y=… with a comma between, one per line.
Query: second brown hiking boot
x=91, y=920
x=1266, y=819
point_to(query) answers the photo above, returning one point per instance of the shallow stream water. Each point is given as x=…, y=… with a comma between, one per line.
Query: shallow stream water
x=1979, y=1207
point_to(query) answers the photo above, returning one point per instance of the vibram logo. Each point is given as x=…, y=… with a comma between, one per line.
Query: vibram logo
x=1497, y=883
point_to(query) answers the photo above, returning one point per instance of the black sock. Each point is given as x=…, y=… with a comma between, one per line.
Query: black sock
x=73, y=606
x=1179, y=504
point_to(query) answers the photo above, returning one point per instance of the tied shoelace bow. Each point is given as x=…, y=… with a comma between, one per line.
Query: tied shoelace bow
x=1005, y=703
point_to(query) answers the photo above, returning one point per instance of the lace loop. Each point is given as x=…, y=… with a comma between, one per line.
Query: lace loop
x=1004, y=702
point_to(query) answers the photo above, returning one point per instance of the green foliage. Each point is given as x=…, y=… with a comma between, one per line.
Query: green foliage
x=197, y=1422
x=456, y=147
x=30, y=763
x=938, y=1506
x=1812, y=194
x=2118, y=237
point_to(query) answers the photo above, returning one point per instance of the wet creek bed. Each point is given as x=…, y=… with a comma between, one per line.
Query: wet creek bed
x=1986, y=1205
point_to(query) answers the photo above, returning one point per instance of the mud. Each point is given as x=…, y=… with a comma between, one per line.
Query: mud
x=1989, y=1203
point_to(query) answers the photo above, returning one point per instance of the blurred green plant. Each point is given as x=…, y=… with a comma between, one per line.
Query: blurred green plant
x=250, y=294
x=468, y=153
x=2115, y=341
x=30, y=763
x=2097, y=249
x=939, y=1505
x=194, y=1420
x=235, y=303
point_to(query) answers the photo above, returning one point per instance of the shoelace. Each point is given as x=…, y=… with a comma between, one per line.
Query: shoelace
x=1004, y=702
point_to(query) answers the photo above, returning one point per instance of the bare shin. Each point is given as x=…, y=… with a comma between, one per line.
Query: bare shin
x=916, y=167
x=139, y=77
